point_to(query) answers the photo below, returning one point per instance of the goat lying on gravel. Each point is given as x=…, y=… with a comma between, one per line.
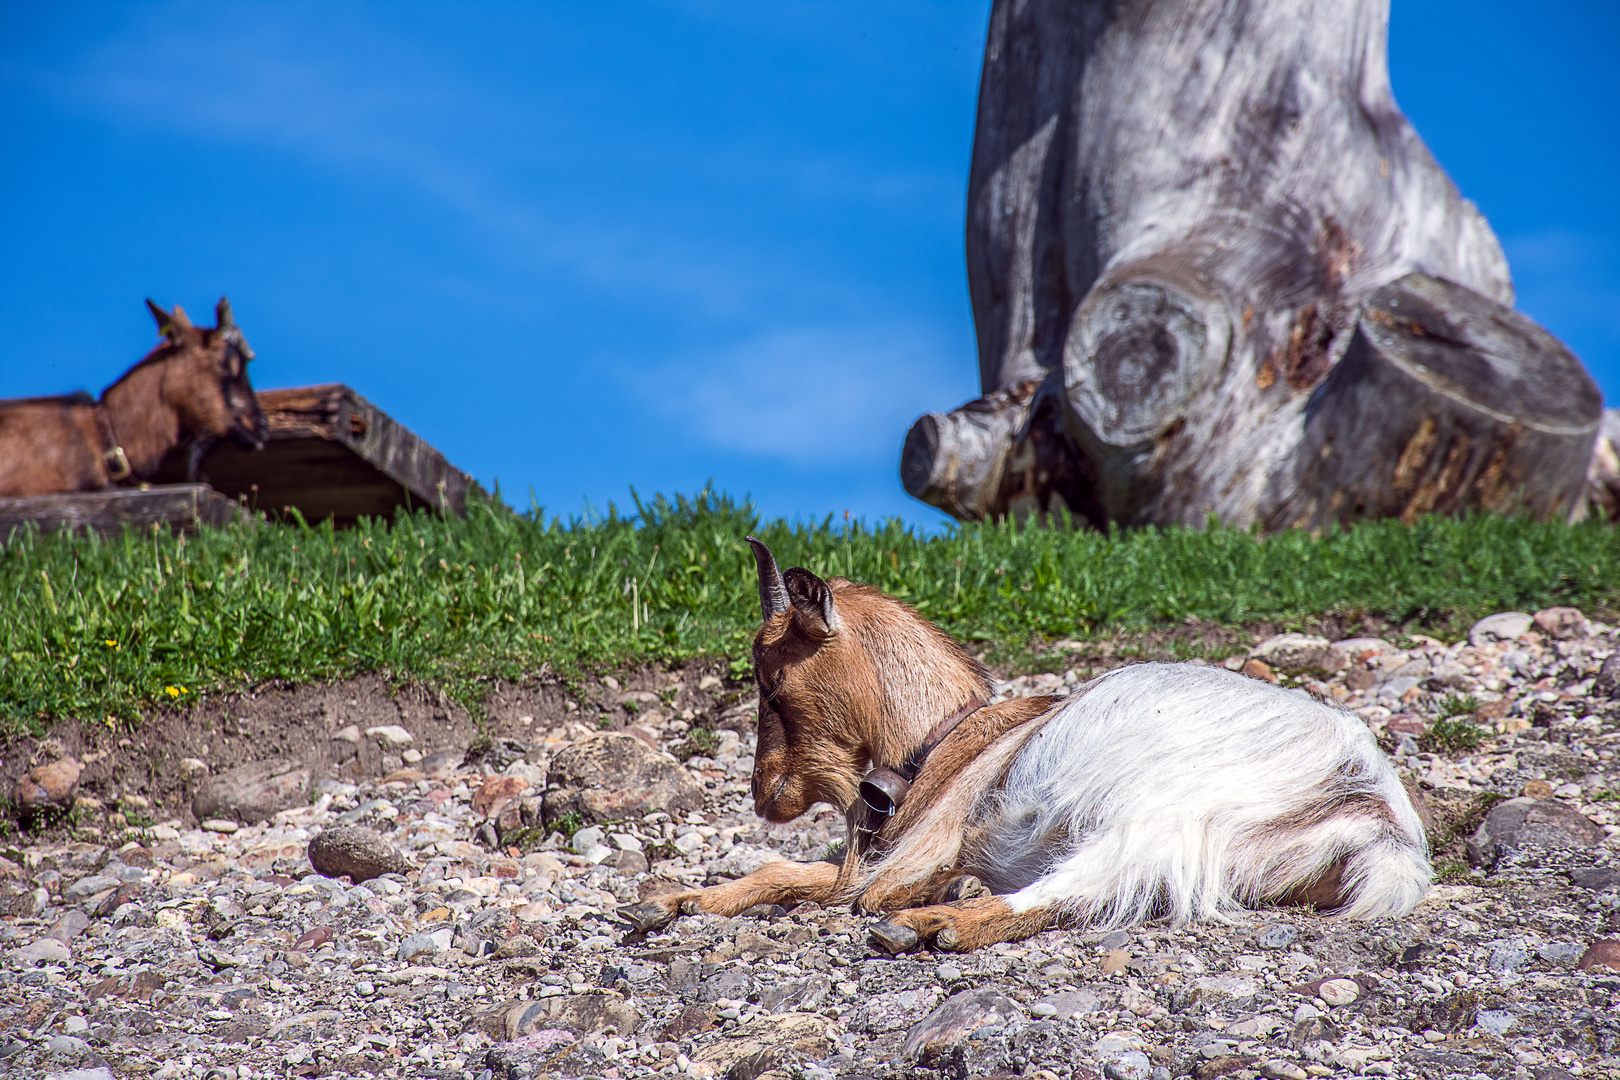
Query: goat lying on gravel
x=1157, y=790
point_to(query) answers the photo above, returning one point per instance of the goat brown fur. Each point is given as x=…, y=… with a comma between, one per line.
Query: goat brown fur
x=194, y=387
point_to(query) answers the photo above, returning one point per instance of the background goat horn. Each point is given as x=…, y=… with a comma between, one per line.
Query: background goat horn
x=773, y=597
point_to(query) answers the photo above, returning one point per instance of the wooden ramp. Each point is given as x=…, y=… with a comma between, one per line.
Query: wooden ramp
x=331, y=454
x=183, y=507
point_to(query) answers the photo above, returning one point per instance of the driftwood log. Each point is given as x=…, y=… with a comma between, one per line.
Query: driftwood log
x=1214, y=270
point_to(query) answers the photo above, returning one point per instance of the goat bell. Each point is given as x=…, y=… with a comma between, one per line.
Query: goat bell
x=883, y=790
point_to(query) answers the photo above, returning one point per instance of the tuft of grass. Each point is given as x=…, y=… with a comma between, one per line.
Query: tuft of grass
x=568, y=825
x=107, y=629
x=699, y=742
x=1452, y=735
x=1458, y=705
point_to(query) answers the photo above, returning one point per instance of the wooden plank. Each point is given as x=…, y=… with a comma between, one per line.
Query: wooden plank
x=332, y=454
x=184, y=507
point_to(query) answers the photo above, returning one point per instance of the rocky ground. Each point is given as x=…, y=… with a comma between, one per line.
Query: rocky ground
x=144, y=940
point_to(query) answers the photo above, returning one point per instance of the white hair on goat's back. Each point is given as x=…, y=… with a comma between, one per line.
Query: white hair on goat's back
x=1187, y=791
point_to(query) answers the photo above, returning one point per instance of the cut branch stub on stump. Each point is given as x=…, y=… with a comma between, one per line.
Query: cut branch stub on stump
x=1176, y=213
x=1444, y=402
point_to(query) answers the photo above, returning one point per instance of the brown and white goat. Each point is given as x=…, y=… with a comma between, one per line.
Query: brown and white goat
x=1157, y=790
x=192, y=388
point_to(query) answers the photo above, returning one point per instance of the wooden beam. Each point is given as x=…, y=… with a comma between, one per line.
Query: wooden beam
x=181, y=507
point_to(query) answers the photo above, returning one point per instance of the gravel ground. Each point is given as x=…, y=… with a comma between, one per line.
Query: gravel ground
x=214, y=950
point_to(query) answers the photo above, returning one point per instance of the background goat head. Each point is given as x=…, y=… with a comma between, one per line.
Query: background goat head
x=847, y=677
x=205, y=380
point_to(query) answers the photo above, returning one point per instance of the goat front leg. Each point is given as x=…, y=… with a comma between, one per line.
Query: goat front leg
x=774, y=883
x=962, y=926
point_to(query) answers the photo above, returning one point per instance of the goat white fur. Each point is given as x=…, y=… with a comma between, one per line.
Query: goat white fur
x=1191, y=792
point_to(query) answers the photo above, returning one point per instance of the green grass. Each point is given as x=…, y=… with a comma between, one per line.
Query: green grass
x=106, y=629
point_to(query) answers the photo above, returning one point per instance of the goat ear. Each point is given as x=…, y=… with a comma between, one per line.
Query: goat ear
x=811, y=599
x=222, y=314
x=170, y=324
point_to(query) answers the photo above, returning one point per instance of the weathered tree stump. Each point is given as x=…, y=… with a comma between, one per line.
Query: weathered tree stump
x=1178, y=218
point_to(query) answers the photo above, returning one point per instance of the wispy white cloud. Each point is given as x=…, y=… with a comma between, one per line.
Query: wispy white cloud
x=809, y=395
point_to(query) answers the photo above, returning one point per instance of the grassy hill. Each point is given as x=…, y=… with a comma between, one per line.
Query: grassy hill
x=99, y=628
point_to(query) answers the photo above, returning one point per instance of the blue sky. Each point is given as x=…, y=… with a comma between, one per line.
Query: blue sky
x=583, y=246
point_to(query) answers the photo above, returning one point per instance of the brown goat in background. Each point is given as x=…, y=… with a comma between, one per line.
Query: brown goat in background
x=193, y=387
x=1171, y=790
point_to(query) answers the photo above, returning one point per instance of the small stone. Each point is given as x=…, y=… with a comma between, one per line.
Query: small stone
x=1596, y=878
x=628, y=863
x=1292, y=652
x=517, y=945
x=392, y=734
x=1531, y=823
x=1494, y=1021
x=359, y=853
x=1277, y=936
x=1604, y=953
x=1607, y=684
x=1537, y=789
x=192, y=769
x=612, y=776
x=1338, y=992
x=1043, y=1009
x=957, y=1018
x=253, y=792
x=1258, y=669
x=948, y=973
x=220, y=825
x=1278, y=1069
x=313, y=939
x=1503, y=626
x=585, y=839
x=349, y=734
x=67, y=1046
x=437, y=941
x=1560, y=952
x=1131, y=1065
x=44, y=951
x=1561, y=622
x=1507, y=956
x=48, y=786
x=1115, y=939
x=710, y=682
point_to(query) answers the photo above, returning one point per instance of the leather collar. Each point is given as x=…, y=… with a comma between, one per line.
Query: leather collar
x=884, y=788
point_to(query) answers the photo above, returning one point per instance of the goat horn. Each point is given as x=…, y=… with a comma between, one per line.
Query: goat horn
x=773, y=597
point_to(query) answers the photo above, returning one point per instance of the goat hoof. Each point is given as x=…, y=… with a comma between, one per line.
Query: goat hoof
x=893, y=939
x=646, y=918
x=966, y=887
x=947, y=940
x=690, y=907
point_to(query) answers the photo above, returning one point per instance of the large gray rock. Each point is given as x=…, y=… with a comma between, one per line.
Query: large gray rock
x=613, y=776
x=252, y=793
x=47, y=787
x=1531, y=823
x=1503, y=626
x=958, y=1018
x=1298, y=652
x=359, y=853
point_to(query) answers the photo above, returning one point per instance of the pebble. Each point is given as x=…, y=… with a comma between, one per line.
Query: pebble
x=1338, y=991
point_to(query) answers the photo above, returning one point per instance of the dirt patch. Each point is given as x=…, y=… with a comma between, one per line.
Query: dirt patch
x=300, y=721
